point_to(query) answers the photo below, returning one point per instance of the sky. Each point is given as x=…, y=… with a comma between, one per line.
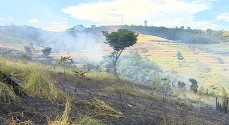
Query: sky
x=59, y=15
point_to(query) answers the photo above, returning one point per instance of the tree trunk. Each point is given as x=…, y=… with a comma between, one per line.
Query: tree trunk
x=115, y=71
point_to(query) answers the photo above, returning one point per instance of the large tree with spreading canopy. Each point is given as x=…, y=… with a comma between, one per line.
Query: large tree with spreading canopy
x=119, y=40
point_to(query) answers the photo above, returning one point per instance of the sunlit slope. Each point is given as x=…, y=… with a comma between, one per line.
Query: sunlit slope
x=200, y=64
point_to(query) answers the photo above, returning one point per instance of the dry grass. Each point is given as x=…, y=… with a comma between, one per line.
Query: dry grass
x=15, y=122
x=95, y=104
x=101, y=108
x=164, y=55
x=63, y=119
x=7, y=94
x=128, y=90
x=89, y=121
x=40, y=85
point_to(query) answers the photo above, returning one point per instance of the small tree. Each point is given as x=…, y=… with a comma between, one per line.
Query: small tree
x=119, y=41
x=28, y=50
x=46, y=51
x=194, y=85
x=63, y=59
x=179, y=56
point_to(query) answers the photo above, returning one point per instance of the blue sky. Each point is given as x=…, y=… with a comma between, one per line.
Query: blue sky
x=59, y=15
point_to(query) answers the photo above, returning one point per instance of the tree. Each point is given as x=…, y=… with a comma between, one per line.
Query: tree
x=179, y=56
x=194, y=85
x=182, y=27
x=46, y=51
x=63, y=59
x=27, y=50
x=119, y=40
x=145, y=23
x=189, y=28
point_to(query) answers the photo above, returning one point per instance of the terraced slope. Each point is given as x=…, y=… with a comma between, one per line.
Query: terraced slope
x=206, y=66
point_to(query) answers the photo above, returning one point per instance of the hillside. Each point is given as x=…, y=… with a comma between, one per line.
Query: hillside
x=99, y=99
x=208, y=66
x=207, y=63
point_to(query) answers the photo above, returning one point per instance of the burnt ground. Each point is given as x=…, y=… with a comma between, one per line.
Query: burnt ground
x=137, y=110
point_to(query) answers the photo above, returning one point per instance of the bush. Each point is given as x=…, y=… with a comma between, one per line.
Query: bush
x=181, y=85
x=220, y=60
x=133, y=66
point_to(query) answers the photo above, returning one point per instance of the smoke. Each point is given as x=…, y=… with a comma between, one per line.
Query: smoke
x=82, y=44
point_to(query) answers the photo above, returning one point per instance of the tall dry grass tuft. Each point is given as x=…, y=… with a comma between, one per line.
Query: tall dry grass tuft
x=99, y=107
x=63, y=119
x=7, y=94
x=41, y=85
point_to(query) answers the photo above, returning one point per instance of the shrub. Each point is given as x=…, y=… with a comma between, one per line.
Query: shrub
x=144, y=50
x=181, y=85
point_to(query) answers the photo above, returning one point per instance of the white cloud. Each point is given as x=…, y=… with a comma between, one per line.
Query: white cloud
x=34, y=20
x=223, y=16
x=1, y=19
x=188, y=21
x=57, y=26
x=135, y=11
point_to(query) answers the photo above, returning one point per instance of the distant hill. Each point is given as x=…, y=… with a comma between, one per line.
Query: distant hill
x=79, y=37
x=19, y=36
x=188, y=36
